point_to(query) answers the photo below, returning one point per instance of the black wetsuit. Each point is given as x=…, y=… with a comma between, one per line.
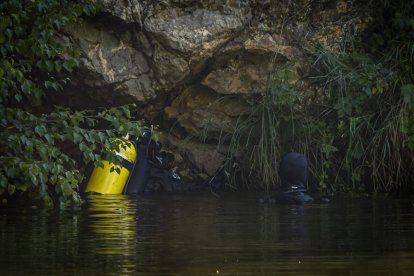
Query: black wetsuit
x=293, y=172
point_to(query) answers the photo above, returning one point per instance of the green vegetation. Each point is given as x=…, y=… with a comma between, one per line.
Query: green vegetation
x=358, y=130
x=37, y=145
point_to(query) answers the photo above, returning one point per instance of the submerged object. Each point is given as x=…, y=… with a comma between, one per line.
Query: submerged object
x=111, y=178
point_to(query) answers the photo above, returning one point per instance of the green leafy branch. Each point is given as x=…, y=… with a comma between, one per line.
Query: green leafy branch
x=42, y=151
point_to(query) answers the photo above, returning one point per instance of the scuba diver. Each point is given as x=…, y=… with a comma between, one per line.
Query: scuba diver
x=144, y=168
x=152, y=171
x=293, y=172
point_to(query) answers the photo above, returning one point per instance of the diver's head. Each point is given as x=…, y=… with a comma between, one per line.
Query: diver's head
x=146, y=136
x=293, y=170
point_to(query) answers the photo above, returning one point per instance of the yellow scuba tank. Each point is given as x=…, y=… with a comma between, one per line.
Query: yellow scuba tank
x=107, y=180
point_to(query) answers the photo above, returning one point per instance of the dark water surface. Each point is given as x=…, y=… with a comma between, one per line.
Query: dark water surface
x=198, y=234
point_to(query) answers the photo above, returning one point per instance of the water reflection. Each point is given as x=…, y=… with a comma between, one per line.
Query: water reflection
x=286, y=225
x=112, y=221
x=200, y=235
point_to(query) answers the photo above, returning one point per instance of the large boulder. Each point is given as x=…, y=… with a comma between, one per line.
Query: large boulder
x=201, y=111
x=242, y=75
x=206, y=159
x=128, y=11
x=196, y=64
x=171, y=69
x=196, y=35
x=111, y=65
x=245, y=68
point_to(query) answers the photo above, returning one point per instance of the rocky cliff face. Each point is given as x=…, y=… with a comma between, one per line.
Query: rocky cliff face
x=189, y=65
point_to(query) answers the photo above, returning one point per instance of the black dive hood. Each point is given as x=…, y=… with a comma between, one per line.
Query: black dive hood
x=293, y=172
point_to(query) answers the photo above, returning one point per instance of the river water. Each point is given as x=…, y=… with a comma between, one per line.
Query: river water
x=200, y=234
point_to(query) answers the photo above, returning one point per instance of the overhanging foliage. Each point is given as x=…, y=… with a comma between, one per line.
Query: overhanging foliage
x=35, y=144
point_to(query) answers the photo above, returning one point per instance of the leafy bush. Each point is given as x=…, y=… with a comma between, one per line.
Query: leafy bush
x=364, y=116
x=35, y=145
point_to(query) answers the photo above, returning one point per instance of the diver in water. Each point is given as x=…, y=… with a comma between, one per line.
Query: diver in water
x=293, y=172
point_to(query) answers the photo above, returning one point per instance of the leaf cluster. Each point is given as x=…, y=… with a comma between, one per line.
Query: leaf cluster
x=38, y=150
